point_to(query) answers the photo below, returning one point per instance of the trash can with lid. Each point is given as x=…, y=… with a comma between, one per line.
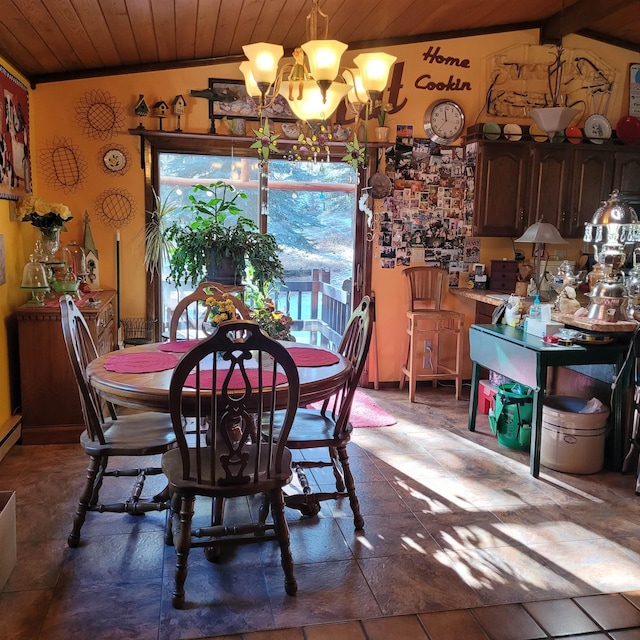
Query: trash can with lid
x=511, y=418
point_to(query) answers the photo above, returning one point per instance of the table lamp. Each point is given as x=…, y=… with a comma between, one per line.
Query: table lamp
x=540, y=234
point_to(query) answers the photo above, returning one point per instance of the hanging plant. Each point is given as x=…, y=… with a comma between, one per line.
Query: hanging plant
x=355, y=153
x=265, y=141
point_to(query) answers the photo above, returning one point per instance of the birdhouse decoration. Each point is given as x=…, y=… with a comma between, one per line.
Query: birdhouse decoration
x=160, y=111
x=179, y=104
x=91, y=256
x=141, y=109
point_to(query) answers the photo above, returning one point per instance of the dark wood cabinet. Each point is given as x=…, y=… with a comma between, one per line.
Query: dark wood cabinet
x=549, y=184
x=591, y=183
x=500, y=189
x=51, y=412
x=626, y=176
x=520, y=183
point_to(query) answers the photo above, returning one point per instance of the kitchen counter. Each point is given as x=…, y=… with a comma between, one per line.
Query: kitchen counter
x=496, y=298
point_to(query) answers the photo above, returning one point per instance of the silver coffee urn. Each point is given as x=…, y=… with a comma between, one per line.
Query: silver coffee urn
x=613, y=231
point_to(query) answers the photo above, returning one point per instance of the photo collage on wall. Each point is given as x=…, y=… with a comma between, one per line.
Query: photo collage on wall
x=428, y=215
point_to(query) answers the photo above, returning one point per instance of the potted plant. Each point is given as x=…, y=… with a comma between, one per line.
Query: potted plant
x=382, y=130
x=219, y=243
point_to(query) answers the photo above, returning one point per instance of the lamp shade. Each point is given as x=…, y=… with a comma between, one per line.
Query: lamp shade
x=263, y=58
x=249, y=82
x=357, y=94
x=312, y=105
x=324, y=58
x=374, y=68
x=542, y=232
x=553, y=119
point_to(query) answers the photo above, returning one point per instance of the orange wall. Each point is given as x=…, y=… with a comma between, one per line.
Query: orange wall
x=54, y=110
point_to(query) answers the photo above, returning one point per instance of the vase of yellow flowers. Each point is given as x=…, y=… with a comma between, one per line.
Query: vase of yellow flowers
x=219, y=311
x=274, y=323
x=48, y=217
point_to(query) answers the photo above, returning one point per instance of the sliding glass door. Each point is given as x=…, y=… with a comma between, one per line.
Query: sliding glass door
x=310, y=208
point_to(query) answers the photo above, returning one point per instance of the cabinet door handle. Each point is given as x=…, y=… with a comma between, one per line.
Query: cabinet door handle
x=563, y=216
x=521, y=215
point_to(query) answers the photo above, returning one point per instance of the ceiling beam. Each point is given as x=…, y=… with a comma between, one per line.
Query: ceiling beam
x=580, y=15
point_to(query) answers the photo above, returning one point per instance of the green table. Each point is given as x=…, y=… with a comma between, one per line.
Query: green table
x=525, y=358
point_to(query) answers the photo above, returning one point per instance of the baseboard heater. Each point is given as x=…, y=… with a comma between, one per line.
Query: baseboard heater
x=13, y=427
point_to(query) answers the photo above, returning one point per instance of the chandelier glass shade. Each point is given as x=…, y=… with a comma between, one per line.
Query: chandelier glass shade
x=314, y=105
x=314, y=85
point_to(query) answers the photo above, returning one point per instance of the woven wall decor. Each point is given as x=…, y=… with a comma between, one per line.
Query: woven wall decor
x=115, y=207
x=63, y=165
x=114, y=159
x=100, y=115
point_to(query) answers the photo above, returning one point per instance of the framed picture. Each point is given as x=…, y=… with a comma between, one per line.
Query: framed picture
x=230, y=99
x=634, y=90
x=15, y=160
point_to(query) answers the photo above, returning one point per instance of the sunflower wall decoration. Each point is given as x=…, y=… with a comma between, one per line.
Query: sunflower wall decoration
x=116, y=207
x=63, y=165
x=100, y=115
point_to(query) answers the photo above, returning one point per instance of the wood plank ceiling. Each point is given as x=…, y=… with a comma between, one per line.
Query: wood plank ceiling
x=49, y=40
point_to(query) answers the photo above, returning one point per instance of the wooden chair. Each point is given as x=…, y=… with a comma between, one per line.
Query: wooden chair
x=191, y=311
x=330, y=427
x=107, y=434
x=431, y=332
x=229, y=460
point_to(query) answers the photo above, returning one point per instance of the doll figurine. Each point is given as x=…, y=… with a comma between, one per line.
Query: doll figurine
x=298, y=73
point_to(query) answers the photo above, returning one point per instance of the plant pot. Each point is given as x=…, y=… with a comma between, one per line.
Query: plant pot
x=382, y=134
x=223, y=272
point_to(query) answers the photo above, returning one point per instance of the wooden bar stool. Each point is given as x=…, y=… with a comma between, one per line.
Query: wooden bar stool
x=432, y=332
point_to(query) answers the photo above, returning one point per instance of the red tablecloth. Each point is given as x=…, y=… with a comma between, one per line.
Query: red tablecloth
x=308, y=357
x=179, y=346
x=235, y=382
x=141, y=362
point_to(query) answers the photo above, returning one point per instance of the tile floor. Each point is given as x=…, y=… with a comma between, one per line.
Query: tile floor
x=460, y=542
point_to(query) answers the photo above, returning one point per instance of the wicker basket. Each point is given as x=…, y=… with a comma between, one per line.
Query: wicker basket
x=137, y=330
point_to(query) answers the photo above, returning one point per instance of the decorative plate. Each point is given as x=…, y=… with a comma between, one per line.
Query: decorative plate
x=491, y=130
x=628, y=129
x=537, y=133
x=291, y=130
x=597, y=128
x=574, y=134
x=513, y=132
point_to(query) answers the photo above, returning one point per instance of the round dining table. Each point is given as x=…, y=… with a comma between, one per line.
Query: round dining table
x=130, y=386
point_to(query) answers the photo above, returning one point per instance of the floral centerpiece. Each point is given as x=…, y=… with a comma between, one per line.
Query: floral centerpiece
x=48, y=217
x=43, y=214
x=220, y=311
x=276, y=324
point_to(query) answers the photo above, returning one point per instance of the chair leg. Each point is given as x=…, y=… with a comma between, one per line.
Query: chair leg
x=182, y=545
x=337, y=472
x=281, y=527
x=358, y=520
x=174, y=509
x=86, y=497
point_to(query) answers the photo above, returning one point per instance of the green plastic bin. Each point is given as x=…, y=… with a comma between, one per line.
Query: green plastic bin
x=511, y=418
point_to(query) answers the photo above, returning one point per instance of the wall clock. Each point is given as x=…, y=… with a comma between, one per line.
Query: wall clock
x=444, y=121
x=114, y=159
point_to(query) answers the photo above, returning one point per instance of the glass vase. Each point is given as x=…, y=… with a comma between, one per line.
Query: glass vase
x=50, y=241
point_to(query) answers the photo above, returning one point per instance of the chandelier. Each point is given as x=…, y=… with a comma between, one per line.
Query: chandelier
x=314, y=84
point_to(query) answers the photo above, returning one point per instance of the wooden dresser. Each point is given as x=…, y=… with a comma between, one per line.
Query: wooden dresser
x=51, y=412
